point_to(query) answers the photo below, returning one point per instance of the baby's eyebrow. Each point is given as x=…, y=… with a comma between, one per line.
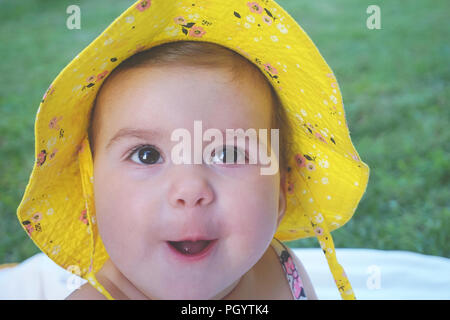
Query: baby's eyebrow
x=133, y=132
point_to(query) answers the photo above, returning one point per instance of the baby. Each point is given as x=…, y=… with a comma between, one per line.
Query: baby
x=122, y=196
x=188, y=231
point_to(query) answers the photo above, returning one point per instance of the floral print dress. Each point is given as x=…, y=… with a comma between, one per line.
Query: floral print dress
x=290, y=269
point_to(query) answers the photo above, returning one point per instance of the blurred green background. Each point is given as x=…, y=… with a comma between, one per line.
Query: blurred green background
x=395, y=86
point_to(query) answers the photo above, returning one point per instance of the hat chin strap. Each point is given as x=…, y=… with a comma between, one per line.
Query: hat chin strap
x=87, y=179
x=326, y=243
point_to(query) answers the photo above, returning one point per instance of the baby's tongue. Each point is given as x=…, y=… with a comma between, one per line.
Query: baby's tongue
x=190, y=247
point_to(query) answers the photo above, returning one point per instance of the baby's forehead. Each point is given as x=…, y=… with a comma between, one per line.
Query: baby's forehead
x=239, y=72
x=171, y=88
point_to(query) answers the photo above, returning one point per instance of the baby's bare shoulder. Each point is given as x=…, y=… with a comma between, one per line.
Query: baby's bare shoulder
x=86, y=292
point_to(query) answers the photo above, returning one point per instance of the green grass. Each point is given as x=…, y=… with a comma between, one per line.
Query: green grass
x=395, y=87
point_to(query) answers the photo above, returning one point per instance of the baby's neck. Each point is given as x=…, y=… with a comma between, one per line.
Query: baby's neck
x=117, y=284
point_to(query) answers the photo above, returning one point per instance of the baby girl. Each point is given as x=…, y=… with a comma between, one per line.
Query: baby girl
x=148, y=208
x=109, y=198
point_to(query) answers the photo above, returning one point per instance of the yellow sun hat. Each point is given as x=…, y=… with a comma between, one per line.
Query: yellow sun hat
x=326, y=178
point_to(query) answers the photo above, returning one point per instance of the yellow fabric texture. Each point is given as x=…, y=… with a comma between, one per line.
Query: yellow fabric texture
x=327, y=178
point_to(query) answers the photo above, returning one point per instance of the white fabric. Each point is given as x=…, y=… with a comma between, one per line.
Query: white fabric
x=381, y=274
x=39, y=278
x=374, y=274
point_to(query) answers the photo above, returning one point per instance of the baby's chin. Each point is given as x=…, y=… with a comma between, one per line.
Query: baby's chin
x=187, y=283
x=187, y=291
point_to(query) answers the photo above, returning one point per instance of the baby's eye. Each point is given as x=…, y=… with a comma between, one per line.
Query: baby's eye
x=145, y=155
x=229, y=154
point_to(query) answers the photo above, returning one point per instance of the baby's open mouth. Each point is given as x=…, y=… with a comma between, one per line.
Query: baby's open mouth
x=191, y=247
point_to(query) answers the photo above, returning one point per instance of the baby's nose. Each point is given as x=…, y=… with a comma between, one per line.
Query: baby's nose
x=190, y=189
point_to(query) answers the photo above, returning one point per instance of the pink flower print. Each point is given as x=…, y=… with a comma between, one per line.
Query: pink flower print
x=289, y=265
x=297, y=287
x=52, y=155
x=197, y=32
x=83, y=217
x=37, y=217
x=300, y=160
x=269, y=68
x=290, y=188
x=143, y=5
x=321, y=138
x=354, y=156
x=28, y=226
x=53, y=124
x=100, y=76
x=310, y=166
x=90, y=78
x=267, y=19
x=255, y=7
x=41, y=158
x=179, y=20
x=318, y=231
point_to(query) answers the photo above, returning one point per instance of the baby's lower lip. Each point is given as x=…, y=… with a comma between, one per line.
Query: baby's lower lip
x=205, y=252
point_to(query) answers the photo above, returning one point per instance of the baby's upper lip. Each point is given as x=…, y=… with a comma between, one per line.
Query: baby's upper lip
x=193, y=239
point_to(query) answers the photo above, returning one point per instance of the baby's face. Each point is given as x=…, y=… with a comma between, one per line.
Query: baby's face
x=142, y=204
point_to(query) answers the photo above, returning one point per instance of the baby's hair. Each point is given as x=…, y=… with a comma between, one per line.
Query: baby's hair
x=209, y=55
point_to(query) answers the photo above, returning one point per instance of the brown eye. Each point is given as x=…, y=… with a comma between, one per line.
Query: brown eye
x=146, y=155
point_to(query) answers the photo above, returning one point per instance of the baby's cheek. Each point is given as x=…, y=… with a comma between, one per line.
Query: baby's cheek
x=111, y=216
x=264, y=196
x=110, y=224
x=119, y=235
x=253, y=214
